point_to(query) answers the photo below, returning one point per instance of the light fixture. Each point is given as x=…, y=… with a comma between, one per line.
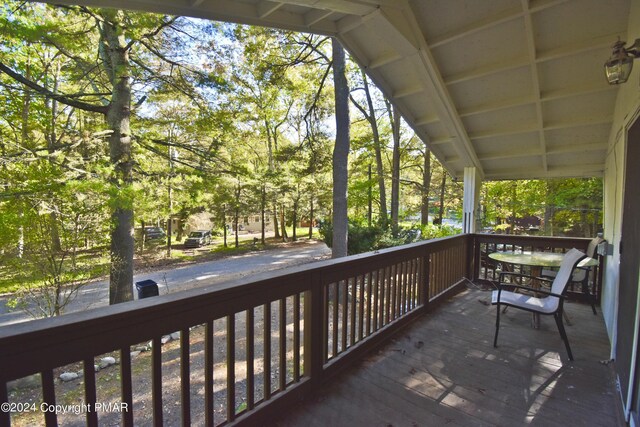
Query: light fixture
x=618, y=67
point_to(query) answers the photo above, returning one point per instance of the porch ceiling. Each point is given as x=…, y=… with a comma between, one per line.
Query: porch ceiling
x=513, y=87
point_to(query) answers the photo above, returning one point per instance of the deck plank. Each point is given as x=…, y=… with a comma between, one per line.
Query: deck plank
x=444, y=370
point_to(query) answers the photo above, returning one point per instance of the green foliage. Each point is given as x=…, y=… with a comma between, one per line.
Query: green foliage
x=363, y=238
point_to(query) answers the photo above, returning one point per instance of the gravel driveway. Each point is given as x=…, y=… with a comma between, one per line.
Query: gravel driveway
x=197, y=275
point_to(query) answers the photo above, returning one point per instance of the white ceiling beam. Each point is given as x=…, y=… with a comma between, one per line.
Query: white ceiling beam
x=577, y=48
x=510, y=155
x=483, y=24
x=350, y=7
x=427, y=120
x=383, y=60
x=584, y=171
x=266, y=8
x=408, y=91
x=491, y=21
x=545, y=96
x=497, y=106
x=535, y=79
x=579, y=123
x=502, y=132
x=578, y=148
x=348, y=23
x=218, y=10
x=569, y=92
x=539, y=57
x=476, y=73
x=441, y=140
x=452, y=159
x=539, y=5
x=314, y=16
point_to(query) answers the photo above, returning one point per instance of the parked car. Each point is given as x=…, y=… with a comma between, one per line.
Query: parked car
x=154, y=233
x=197, y=239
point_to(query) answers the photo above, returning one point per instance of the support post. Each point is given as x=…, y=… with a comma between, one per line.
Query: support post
x=470, y=205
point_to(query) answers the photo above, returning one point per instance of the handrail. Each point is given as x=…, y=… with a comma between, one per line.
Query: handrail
x=349, y=305
x=326, y=316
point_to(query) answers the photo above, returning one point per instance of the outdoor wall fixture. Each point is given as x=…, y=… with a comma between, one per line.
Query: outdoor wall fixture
x=618, y=67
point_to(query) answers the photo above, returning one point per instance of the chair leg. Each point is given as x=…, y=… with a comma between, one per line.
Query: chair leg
x=495, y=338
x=563, y=333
x=590, y=296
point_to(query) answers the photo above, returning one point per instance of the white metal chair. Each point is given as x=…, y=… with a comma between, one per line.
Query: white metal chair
x=581, y=274
x=548, y=303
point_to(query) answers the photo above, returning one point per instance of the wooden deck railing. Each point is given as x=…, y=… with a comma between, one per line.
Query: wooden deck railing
x=246, y=350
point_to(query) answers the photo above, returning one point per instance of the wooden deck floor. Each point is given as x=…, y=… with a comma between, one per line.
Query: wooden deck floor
x=443, y=370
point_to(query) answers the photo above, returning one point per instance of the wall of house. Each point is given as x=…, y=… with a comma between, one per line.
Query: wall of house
x=626, y=112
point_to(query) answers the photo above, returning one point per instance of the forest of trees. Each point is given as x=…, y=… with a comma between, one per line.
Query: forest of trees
x=115, y=119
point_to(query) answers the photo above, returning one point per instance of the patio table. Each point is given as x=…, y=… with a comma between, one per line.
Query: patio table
x=537, y=261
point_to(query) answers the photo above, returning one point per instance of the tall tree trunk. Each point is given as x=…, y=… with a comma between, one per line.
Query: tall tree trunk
x=236, y=213
x=377, y=146
x=116, y=57
x=295, y=213
x=283, y=224
x=549, y=209
x=514, y=201
x=426, y=184
x=394, y=118
x=26, y=109
x=311, y=217
x=263, y=207
x=52, y=140
x=170, y=203
x=442, y=187
x=340, y=152
x=224, y=224
x=369, y=199
x=275, y=220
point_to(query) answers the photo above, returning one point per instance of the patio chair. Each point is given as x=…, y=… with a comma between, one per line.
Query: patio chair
x=581, y=274
x=550, y=304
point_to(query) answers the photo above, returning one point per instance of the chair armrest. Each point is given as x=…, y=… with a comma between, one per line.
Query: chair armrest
x=528, y=288
x=503, y=273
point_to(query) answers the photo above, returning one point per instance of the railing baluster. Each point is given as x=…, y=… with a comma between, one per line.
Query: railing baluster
x=403, y=296
x=250, y=359
x=126, y=386
x=156, y=380
x=231, y=367
x=393, y=289
x=400, y=293
x=380, y=299
x=336, y=297
x=89, y=377
x=387, y=297
x=369, y=293
x=283, y=345
x=325, y=325
x=208, y=374
x=345, y=310
x=361, y=308
x=49, y=397
x=296, y=337
x=266, y=346
x=5, y=416
x=352, y=311
x=185, y=377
